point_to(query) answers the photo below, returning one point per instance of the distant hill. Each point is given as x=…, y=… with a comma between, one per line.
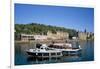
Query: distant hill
x=34, y=28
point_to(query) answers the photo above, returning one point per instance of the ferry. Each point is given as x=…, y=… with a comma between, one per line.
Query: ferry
x=44, y=52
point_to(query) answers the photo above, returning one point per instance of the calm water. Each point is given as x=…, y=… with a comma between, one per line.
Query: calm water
x=21, y=57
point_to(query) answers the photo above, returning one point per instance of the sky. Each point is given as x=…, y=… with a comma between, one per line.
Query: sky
x=77, y=18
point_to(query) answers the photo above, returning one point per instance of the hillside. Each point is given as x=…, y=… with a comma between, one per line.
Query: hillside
x=34, y=28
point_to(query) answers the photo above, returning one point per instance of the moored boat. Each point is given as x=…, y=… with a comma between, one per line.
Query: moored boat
x=66, y=48
x=44, y=51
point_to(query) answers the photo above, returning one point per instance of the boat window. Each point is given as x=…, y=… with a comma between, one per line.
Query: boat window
x=41, y=48
x=53, y=53
x=45, y=54
x=72, y=51
x=40, y=54
x=47, y=49
x=34, y=54
x=58, y=53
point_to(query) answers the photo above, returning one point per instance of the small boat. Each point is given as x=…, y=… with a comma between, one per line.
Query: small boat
x=44, y=51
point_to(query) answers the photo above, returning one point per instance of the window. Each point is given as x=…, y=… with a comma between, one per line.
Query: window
x=39, y=54
x=58, y=53
x=45, y=54
x=53, y=53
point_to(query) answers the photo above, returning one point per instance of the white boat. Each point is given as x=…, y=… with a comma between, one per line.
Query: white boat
x=44, y=51
x=66, y=48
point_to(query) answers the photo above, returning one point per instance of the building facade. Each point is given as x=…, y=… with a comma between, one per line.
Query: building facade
x=52, y=36
x=82, y=36
x=57, y=35
x=30, y=37
x=40, y=37
x=27, y=37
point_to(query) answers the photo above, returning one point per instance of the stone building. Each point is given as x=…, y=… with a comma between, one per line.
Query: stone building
x=52, y=36
x=85, y=35
x=57, y=35
x=82, y=36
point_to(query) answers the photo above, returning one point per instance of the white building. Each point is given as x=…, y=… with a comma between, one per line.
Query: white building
x=40, y=37
x=28, y=37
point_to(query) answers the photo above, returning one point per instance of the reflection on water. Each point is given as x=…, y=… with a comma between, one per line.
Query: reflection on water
x=43, y=60
x=21, y=57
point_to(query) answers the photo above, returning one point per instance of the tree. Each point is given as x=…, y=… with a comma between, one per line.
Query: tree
x=41, y=29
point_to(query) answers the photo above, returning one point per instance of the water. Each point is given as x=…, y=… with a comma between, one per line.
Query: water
x=21, y=57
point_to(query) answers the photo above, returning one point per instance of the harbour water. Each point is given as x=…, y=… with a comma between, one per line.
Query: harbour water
x=21, y=57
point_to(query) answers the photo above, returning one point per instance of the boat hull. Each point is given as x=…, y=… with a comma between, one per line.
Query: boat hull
x=71, y=53
x=43, y=55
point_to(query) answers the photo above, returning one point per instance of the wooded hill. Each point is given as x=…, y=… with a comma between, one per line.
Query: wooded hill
x=35, y=28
